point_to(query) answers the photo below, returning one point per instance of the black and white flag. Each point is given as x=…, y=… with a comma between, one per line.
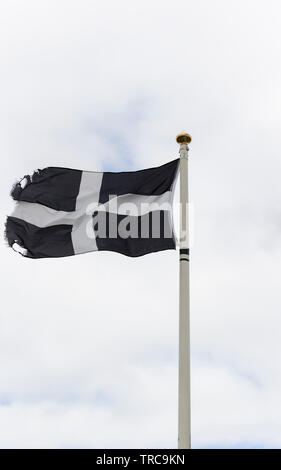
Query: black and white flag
x=63, y=212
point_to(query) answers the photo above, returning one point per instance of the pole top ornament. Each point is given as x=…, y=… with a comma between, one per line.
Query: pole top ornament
x=183, y=138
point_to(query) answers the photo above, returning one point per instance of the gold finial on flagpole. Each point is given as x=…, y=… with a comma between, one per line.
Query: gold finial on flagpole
x=183, y=138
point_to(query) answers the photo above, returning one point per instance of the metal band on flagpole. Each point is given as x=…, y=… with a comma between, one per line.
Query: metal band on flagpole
x=184, y=411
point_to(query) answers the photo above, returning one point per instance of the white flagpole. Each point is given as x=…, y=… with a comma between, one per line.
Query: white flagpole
x=184, y=421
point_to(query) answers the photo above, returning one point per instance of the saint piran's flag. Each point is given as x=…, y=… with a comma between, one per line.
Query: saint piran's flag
x=63, y=212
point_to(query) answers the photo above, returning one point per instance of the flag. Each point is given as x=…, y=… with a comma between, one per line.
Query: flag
x=63, y=212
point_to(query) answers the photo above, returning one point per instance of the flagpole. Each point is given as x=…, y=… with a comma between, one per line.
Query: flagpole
x=184, y=420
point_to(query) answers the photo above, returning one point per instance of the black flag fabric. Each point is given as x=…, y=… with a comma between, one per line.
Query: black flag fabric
x=63, y=212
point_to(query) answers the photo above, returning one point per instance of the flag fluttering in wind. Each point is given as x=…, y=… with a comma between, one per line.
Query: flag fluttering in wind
x=63, y=212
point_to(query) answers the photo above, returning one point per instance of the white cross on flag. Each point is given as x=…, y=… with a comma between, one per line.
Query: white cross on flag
x=63, y=212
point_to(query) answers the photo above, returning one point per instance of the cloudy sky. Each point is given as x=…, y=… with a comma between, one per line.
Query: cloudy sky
x=88, y=344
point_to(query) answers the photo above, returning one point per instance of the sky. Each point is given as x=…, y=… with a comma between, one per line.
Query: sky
x=89, y=344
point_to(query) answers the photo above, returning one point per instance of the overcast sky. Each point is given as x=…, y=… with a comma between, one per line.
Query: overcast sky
x=89, y=344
